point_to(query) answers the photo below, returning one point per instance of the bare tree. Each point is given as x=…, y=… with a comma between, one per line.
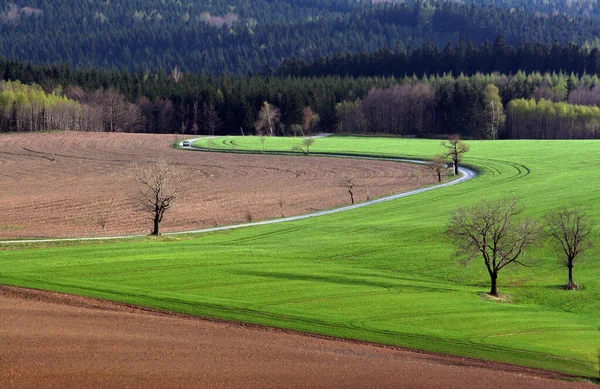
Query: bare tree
x=455, y=149
x=438, y=167
x=489, y=229
x=159, y=186
x=267, y=119
x=571, y=228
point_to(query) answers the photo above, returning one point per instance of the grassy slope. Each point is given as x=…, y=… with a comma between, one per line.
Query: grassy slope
x=383, y=273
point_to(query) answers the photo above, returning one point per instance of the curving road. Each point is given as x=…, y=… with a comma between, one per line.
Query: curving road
x=466, y=174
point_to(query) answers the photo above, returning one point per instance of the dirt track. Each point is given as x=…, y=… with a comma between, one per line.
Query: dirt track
x=82, y=184
x=54, y=340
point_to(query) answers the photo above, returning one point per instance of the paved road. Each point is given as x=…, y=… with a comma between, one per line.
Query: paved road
x=465, y=174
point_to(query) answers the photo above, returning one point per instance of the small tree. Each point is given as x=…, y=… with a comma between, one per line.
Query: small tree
x=489, y=229
x=159, y=186
x=571, y=228
x=438, y=167
x=261, y=137
x=455, y=148
x=304, y=146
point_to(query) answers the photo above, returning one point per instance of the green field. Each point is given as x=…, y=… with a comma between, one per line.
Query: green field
x=384, y=273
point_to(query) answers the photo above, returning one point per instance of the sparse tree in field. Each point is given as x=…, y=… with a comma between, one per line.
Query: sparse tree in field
x=350, y=186
x=571, y=228
x=304, y=146
x=267, y=119
x=438, y=167
x=159, y=186
x=455, y=148
x=489, y=229
x=262, y=141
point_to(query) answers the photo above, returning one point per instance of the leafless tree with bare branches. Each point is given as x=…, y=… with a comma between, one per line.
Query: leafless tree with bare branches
x=159, y=186
x=455, y=148
x=489, y=229
x=438, y=167
x=571, y=228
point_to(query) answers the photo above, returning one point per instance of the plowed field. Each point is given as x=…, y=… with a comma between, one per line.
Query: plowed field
x=52, y=340
x=82, y=184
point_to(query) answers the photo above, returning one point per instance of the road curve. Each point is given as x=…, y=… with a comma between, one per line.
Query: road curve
x=465, y=174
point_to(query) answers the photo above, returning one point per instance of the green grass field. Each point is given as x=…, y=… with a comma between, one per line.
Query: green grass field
x=384, y=273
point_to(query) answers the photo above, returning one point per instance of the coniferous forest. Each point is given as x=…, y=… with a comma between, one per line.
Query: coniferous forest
x=486, y=69
x=240, y=36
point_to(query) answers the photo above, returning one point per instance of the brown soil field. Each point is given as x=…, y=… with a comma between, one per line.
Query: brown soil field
x=83, y=184
x=53, y=340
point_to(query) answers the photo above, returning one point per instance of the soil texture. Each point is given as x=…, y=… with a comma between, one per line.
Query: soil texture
x=54, y=340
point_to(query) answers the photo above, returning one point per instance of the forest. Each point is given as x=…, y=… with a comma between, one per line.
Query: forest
x=240, y=37
x=481, y=106
x=463, y=57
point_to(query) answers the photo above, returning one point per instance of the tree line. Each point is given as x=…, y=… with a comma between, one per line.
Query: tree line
x=479, y=106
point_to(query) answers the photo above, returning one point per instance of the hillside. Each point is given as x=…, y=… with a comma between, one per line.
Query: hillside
x=240, y=36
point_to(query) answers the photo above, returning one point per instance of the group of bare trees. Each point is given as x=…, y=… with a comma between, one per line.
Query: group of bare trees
x=493, y=231
x=105, y=110
x=400, y=110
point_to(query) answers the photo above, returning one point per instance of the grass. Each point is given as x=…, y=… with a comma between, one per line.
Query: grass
x=384, y=273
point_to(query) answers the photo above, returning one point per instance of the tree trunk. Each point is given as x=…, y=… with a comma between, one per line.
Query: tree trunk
x=494, y=289
x=455, y=167
x=439, y=174
x=156, y=231
x=351, y=196
x=571, y=285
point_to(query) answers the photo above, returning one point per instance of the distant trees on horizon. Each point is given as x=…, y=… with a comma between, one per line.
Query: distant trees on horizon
x=491, y=106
